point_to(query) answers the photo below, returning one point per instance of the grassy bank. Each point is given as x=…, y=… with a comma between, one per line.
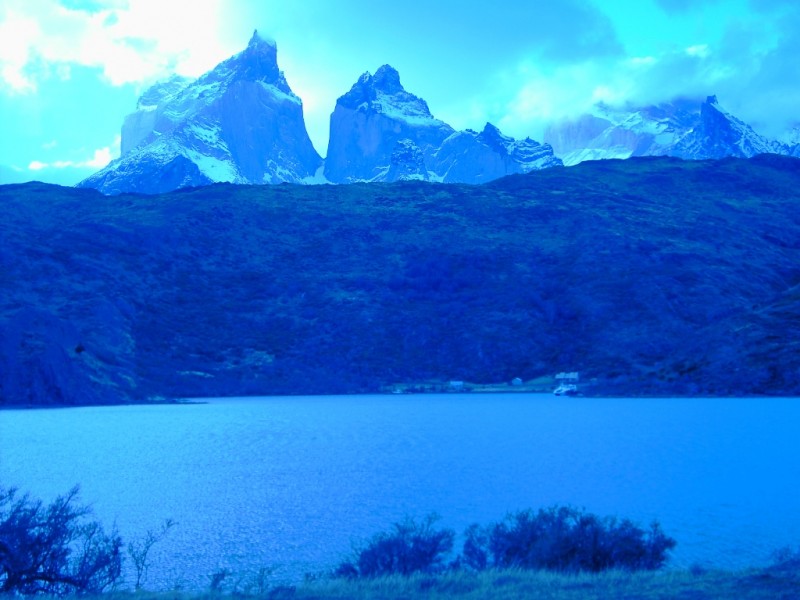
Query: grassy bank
x=774, y=583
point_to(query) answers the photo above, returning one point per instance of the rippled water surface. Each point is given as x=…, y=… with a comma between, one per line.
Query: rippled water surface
x=292, y=483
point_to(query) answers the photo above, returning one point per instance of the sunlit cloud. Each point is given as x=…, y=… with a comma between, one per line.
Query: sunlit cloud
x=99, y=159
x=131, y=41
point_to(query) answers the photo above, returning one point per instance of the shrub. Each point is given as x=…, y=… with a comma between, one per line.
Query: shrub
x=139, y=551
x=55, y=549
x=476, y=541
x=409, y=547
x=566, y=539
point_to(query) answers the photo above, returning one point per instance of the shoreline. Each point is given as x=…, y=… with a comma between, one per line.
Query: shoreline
x=467, y=392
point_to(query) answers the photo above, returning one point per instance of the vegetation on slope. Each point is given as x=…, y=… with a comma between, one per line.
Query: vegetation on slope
x=649, y=276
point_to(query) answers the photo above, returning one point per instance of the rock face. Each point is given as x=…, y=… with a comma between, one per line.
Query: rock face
x=683, y=128
x=472, y=157
x=407, y=163
x=381, y=132
x=371, y=120
x=238, y=123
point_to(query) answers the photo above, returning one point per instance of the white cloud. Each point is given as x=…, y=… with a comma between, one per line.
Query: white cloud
x=570, y=90
x=564, y=92
x=100, y=158
x=130, y=41
x=642, y=61
x=701, y=50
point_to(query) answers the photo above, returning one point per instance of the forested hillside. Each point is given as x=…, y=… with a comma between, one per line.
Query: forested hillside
x=650, y=276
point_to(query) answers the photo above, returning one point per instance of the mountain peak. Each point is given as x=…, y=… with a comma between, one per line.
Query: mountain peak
x=387, y=79
x=494, y=138
x=712, y=100
x=490, y=129
x=259, y=40
x=257, y=62
x=384, y=86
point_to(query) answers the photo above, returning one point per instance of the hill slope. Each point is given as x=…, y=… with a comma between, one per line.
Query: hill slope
x=651, y=275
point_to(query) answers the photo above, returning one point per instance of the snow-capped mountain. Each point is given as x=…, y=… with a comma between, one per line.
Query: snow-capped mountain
x=607, y=132
x=239, y=123
x=683, y=128
x=472, y=157
x=371, y=120
x=381, y=132
x=719, y=134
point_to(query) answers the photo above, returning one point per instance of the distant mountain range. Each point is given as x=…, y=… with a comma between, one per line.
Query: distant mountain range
x=684, y=128
x=241, y=123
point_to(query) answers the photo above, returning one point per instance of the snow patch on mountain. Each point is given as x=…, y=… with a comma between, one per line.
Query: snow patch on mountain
x=279, y=94
x=215, y=169
x=318, y=178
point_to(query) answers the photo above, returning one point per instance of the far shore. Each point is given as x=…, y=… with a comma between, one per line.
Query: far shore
x=398, y=389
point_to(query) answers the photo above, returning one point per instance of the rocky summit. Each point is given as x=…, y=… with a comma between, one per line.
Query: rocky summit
x=238, y=123
x=375, y=120
x=718, y=134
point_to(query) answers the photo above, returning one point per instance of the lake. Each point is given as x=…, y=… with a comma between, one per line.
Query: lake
x=292, y=483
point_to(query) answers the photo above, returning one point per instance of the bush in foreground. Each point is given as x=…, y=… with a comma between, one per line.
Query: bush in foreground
x=55, y=549
x=410, y=547
x=568, y=540
x=561, y=539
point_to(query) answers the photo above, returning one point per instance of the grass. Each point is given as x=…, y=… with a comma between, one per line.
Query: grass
x=500, y=585
x=775, y=583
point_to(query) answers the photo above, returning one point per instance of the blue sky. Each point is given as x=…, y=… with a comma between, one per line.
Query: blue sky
x=70, y=70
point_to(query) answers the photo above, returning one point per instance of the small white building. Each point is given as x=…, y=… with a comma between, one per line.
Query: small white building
x=568, y=377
